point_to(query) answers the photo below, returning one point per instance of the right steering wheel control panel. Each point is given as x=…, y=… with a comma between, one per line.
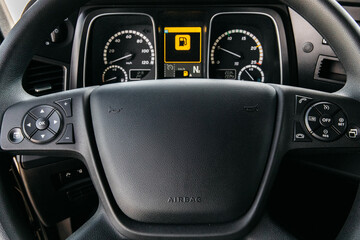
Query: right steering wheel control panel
x=322, y=120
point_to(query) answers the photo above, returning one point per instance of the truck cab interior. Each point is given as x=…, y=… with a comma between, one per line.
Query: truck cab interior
x=153, y=119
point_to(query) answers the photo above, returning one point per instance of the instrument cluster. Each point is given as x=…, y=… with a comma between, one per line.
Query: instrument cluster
x=123, y=47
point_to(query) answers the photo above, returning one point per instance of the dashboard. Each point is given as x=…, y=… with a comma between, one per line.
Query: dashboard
x=132, y=44
x=105, y=43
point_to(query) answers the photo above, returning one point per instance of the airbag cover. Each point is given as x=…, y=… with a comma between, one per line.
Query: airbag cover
x=184, y=151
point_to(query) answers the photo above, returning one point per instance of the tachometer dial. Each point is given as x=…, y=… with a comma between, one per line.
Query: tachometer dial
x=114, y=73
x=251, y=73
x=233, y=50
x=131, y=50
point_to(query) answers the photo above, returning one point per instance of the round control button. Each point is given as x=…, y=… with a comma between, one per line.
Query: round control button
x=15, y=135
x=308, y=47
x=326, y=120
x=42, y=123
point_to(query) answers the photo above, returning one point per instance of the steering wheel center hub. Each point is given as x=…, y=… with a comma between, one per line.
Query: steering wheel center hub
x=184, y=152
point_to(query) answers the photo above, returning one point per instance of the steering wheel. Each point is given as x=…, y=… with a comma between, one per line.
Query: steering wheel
x=175, y=159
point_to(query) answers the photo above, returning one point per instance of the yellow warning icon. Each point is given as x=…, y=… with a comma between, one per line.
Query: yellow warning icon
x=182, y=42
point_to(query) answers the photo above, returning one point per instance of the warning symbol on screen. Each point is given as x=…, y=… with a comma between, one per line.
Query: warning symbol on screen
x=182, y=42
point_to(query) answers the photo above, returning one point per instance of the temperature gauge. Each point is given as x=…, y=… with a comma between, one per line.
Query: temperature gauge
x=251, y=73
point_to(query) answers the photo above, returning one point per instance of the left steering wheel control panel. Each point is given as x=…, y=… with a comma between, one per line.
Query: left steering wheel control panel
x=44, y=123
x=41, y=124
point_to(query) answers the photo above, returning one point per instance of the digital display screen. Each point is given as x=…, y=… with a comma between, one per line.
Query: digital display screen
x=182, y=52
x=182, y=44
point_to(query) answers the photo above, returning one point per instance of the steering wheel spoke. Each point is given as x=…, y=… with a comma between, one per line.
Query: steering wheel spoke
x=52, y=125
x=318, y=120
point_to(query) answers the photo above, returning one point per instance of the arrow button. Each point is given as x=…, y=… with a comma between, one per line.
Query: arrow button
x=42, y=136
x=55, y=122
x=29, y=125
x=41, y=111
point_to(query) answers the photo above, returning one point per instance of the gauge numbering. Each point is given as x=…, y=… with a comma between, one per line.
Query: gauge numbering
x=130, y=50
x=235, y=49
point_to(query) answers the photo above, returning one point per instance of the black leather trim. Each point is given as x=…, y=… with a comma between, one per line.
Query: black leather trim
x=268, y=229
x=97, y=228
x=351, y=228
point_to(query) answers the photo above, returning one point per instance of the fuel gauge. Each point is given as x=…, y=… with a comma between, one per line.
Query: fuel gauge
x=114, y=73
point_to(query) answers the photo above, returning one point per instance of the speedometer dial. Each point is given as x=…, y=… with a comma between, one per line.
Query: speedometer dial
x=132, y=51
x=233, y=50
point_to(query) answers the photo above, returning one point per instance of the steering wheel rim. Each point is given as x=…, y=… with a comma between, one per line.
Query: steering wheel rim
x=334, y=23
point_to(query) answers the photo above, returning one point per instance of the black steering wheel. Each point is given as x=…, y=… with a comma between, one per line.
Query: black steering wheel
x=176, y=159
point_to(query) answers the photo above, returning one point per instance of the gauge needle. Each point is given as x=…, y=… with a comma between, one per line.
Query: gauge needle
x=232, y=53
x=110, y=79
x=249, y=75
x=119, y=59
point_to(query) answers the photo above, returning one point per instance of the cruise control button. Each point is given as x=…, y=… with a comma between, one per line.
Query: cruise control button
x=325, y=134
x=340, y=122
x=41, y=111
x=65, y=104
x=15, y=135
x=68, y=136
x=42, y=136
x=312, y=120
x=326, y=120
x=29, y=125
x=327, y=108
x=55, y=122
x=42, y=123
